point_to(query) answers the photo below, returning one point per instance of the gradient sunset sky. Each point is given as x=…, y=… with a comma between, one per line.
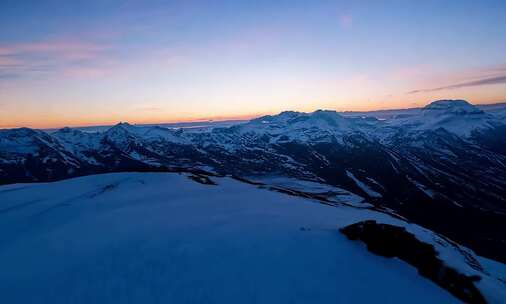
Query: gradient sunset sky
x=64, y=63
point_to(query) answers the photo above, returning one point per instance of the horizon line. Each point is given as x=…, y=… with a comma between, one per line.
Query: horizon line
x=223, y=119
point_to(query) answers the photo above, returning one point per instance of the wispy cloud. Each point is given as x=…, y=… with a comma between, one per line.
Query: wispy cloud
x=71, y=49
x=480, y=82
x=26, y=59
x=81, y=59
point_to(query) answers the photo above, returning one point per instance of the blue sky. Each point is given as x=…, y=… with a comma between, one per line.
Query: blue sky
x=94, y=62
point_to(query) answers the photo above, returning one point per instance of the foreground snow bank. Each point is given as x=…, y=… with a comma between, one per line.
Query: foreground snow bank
x=163, y=238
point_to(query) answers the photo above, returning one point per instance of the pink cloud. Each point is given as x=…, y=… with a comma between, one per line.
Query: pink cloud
x=21, y=59
x=87, y=72
x=79, y=59
x=474, y=77
x=69, y=49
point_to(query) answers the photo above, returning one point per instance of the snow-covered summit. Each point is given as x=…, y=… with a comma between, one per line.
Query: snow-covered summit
x=451, y=106
x=327, y=118
x=76, y=140
x=122, y=135
x=317, y=126
x=149, y=133
x=279, y=118
x=458, y=117
x=24, y=140
x=315, y=118
x=123, y=127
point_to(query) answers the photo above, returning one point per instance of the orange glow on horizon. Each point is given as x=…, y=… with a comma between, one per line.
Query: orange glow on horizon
x=56, y=122
x=52, y=124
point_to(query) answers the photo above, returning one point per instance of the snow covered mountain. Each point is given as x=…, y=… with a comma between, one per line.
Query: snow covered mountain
x=443, y=167
x=186, y=238
x=455, y=116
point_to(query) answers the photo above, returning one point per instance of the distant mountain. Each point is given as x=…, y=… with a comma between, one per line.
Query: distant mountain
x=443, y=166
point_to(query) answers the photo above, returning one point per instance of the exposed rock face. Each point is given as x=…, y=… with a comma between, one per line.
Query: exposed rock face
x=201, y=179
x=394, y=241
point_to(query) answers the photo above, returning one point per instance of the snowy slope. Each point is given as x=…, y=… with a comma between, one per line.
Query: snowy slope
x=163, y=238
x=447, y=160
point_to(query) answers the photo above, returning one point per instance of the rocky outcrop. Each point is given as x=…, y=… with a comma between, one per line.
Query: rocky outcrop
x=394, y=241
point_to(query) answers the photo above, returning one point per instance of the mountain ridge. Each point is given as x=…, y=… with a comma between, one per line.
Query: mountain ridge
x=425, y=167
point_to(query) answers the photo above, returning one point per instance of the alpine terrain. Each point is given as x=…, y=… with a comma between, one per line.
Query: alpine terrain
x=202, y=208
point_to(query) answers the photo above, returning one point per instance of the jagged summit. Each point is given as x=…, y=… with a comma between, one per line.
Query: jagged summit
x=122, y=127
x=124, y=124
x=323, y=111
x=329, y=116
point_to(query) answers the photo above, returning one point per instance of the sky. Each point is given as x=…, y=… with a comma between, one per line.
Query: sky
x=77, y=63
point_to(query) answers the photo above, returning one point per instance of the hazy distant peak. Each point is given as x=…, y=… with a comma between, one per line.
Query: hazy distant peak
x=326, y=114
x=278, y=118
x=68, y=130
x=20, y=131
x=124, y=124
x=122, y=127
x=293, y=116
x=289, y=113
x=455, y=106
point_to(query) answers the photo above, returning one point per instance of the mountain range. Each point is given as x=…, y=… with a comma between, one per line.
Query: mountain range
x=442, y=166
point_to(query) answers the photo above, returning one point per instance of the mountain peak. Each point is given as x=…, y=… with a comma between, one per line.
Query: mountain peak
x=329, y=117
x=120, y=131
x=121, y=127
x=289, y=113
x=454, y=106
x=66, y=130
x=282, y=117
x=19, y=132
x=123, y=124
x=325, y=113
